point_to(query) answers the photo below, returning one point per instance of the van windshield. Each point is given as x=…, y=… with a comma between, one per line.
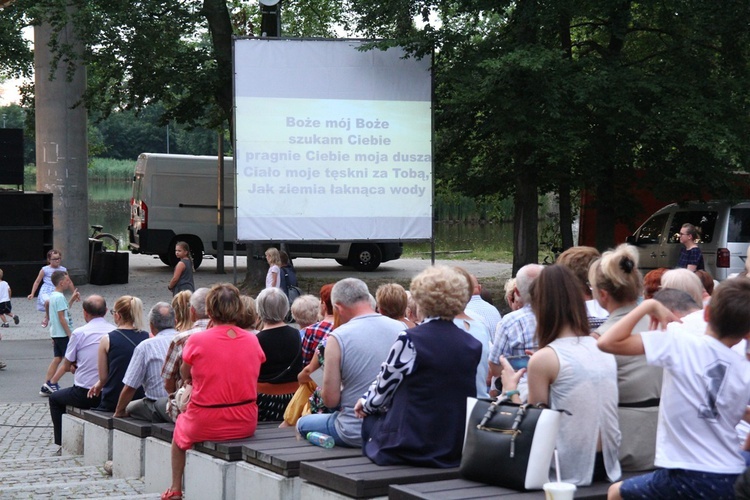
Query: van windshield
x=739, y=225
x=703, y=220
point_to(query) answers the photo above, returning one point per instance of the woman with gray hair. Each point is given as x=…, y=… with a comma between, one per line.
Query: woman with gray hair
x=416, y=408
x=281, y=343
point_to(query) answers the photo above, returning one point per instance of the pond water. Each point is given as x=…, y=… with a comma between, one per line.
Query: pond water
x=109, y=207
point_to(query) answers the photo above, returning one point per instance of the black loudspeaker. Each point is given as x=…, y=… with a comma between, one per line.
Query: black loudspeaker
x=11, y=156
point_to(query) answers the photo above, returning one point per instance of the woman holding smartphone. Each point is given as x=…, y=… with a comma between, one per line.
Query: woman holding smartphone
x=570, y=373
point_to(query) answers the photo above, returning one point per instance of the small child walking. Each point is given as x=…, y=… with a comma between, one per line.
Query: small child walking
x=5, y=307
x=54, y=258
x=61, y=325
x=182, y=279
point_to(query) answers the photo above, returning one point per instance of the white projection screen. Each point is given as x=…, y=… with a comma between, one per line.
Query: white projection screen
x=332, y=143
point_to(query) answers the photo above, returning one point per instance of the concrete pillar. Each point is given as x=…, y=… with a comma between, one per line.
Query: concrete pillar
x=61, y=148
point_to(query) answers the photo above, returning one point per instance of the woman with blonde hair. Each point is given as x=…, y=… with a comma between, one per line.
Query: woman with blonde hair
x=181, y=306
x=115, y=350
x=617, y=284
x=416, y=408
x=274, y=267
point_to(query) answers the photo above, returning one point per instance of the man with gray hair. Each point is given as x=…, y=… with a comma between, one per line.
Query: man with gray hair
x=353, y=355
x=145, y=369
x=684, y=306
x=515, y=332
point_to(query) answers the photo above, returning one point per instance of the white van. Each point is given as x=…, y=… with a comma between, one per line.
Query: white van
x=174, y=199
x=724, y=230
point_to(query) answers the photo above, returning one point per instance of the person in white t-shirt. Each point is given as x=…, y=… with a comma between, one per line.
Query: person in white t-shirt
x=705, y=394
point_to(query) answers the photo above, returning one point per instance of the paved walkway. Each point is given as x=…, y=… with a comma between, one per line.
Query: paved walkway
x=31, y=466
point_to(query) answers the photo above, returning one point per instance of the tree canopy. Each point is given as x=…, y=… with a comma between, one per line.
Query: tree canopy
x=531, y=96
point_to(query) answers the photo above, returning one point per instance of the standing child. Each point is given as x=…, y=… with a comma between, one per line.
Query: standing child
x=60, y=326
x=705, y=394
x=5, y=307
x=274, y=262
x=54, y=258
x=182, y=279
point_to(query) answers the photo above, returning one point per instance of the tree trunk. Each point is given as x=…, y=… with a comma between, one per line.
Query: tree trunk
x=605, y=216
x=220, y=26
x=526, y=215
x=566, y=215
x=257, y=268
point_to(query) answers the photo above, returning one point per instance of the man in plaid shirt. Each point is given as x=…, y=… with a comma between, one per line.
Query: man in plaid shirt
x=313, y=334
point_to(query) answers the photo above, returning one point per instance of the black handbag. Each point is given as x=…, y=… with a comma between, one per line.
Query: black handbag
x=509, y=445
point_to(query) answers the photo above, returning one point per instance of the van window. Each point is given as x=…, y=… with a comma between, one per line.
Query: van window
x=651, y=230
x=739, y=225
x=703, y=220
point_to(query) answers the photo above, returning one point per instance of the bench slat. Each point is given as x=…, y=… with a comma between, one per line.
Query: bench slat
x=100, y=418
x=132, y=426
x=463, y=489
x=163, y=432
x=360, y=478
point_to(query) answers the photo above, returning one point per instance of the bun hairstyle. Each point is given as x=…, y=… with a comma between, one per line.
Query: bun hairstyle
x=617, y=273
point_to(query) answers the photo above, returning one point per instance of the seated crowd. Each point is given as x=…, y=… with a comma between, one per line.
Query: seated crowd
x=652, y=371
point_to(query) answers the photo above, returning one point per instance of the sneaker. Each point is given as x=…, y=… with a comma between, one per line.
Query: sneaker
x=3, y=366
x=49, y=388
x=15, y=319
x=5, y=325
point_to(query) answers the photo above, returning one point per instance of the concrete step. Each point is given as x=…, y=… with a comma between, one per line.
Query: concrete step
x=41, y=463
x=107, y=488
x=63, y=477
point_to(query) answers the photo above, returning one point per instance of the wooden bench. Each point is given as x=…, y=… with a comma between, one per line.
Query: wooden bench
x=282, y=453
x=361, y=478
x=463, y=489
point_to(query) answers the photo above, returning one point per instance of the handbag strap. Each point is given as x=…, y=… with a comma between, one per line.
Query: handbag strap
x=513, y=431
x=126, y=338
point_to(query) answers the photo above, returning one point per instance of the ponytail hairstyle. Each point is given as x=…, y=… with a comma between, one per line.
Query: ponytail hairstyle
x=186, y=247
x=617, y=274
x=130, y=310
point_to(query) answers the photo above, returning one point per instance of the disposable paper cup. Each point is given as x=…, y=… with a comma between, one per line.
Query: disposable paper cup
x=559, y=491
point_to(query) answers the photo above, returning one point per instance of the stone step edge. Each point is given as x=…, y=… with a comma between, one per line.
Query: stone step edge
x=62, y=487
x=38, y=460
x=51, y=471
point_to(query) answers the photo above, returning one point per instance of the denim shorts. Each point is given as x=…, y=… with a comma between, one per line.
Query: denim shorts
x=679, y=484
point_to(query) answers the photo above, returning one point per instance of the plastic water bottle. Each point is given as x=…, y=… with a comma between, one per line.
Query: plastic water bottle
x=320, y=439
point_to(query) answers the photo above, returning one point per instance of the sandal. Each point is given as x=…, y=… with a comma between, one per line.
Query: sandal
x=171, y=494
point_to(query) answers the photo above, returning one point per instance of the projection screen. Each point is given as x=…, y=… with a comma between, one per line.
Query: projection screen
x=331, y=142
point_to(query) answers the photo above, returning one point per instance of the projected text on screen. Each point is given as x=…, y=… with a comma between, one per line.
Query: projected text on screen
x=331, y=142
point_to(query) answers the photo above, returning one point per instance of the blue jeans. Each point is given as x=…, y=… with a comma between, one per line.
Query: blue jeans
x=320, y=422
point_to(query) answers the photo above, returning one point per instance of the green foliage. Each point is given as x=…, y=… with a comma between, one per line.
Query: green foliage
x=107, y=169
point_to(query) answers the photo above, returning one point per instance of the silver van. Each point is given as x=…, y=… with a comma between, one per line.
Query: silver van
x=724, y=230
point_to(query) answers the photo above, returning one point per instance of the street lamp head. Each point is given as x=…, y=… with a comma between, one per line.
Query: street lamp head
x=269, y=3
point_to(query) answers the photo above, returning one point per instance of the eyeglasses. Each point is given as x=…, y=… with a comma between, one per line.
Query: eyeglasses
x=113, y=312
